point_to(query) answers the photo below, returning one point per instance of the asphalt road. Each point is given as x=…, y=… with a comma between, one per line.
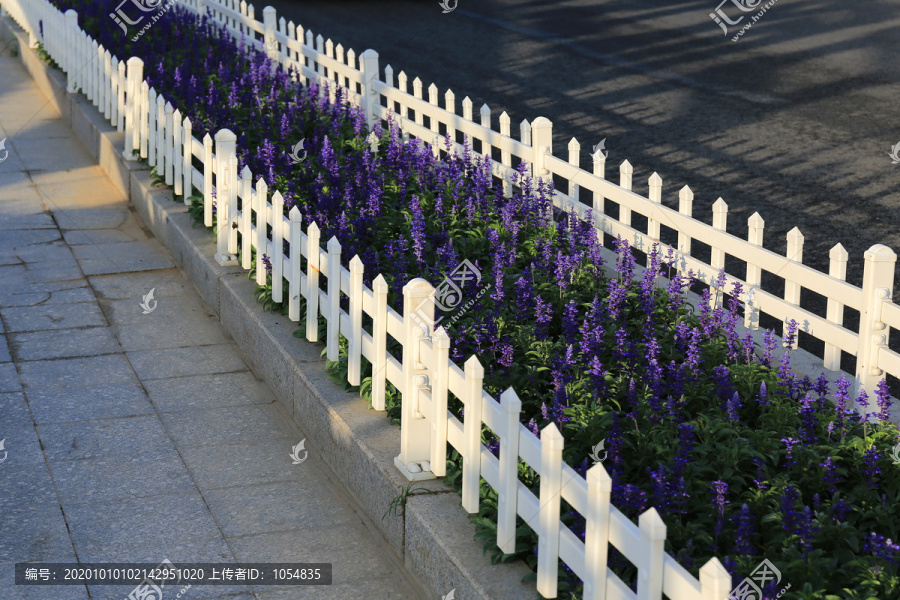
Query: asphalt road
x=794, y=120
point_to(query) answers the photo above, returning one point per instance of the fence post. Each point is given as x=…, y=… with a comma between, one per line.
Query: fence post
x=269, y=21
x=508, y=487
x=135, y=70
x=835, y=311
x=878, y=284
x=69, y=60
x=334, y=299
x=226, y=146
x=379, y=335
x=354, y=366
x=368, y=63
x=312, y=280
x=542, y=143
x=296, y=235
x=549, y=511
x=715, y=581
x=653, y=542
x=415, y=434
x=596, y=538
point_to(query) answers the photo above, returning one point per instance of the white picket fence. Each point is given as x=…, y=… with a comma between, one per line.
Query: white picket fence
x=426, y=375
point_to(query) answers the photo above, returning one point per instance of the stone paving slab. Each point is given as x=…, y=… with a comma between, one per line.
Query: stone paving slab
x=64, y=405
x=64, y=343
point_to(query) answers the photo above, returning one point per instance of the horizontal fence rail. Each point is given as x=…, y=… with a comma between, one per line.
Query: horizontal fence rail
x=159, y=133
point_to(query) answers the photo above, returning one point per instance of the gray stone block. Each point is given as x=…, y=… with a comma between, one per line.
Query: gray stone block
x=9, y=378
x=276, y=507
x=53, y=316
x=120, y=478
x=179, y=362
x=158, y=334
x=208, y=392
x=234, y=426
x=36, y=533
x=25, y=486
x=437, y=526
x=97, y=259
x=266, y=461
x=346, y=548
x=173, y=308
x=14, y=410
x=127, y=286
x=66, y=405
x=156, y=525
x=121, y=438
x=4, y=350
x=75, y=292
x=63, y=343
x=265, y=336
x=75, y=372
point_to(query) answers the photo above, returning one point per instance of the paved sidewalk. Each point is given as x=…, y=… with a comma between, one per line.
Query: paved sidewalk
x=135, y=436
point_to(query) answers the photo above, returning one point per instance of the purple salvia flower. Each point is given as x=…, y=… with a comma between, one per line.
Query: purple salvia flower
x=789, y=444
x=863, y=401
x=745, y=531
x=883, y=399
x=732, y=407
x=870, y=466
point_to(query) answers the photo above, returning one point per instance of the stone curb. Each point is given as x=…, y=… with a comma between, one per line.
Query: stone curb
x=434, y=539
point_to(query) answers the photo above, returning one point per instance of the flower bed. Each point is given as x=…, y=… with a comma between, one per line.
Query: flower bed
x=743, y=459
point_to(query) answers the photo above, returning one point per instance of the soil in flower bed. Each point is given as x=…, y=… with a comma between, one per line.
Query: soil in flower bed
x=743, y=459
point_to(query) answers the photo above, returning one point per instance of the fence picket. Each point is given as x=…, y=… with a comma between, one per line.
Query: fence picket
x=508, y=487
x=177, y=159
x=650, y=573
x=471, y=451
x=208, y=167
x=574, y=160
x=685, y=207
x=312, y=278
x=354, y=359
x=121, y=85
x=262, y=238
x=792, y=289
x=717, y=260
x=837, y=268
x=145, y=116
x=596, y=536
x=160, y=135
x=188, y=161
x=505, y=156
x=295, y=239
x=755, y=227
x=656, y=197
x=334, y=298
x=380, y=289
x=246, y=217
x=626, y=171
x=152, y=115
x=440, y=342
x=277, y=257
x=170, y=144
x=548, y=516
